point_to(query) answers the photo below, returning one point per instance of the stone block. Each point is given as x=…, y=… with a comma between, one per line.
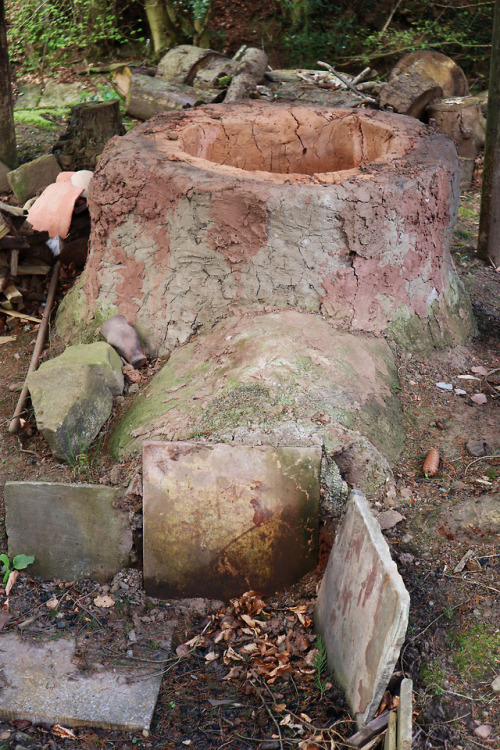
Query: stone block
x=362, y=609
x=73, y=530
x=43, y=683
x=33, y=177
x=71, y=395
x=221, y=519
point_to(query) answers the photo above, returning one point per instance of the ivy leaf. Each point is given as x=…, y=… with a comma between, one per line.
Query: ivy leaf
x=22, y=561
x=5, y=560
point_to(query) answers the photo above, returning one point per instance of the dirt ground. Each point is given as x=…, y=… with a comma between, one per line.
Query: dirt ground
x=453, y=641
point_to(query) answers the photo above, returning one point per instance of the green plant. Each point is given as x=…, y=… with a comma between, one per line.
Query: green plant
x=320, y=664
x=19, y=562
x=476, y=652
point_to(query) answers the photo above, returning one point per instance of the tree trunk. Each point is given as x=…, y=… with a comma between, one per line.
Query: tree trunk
x=409, y=94
x=462, y=120
x=90, y=128
x=488, y=244
x=8, y=153
x=149, y=96
x=163, y=31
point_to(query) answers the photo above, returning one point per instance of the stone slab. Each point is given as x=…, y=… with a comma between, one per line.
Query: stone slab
x=99, y=356
x=41, y=683
x=221, y=519
x=33, y=177
x=362, y=609
x=73, y=530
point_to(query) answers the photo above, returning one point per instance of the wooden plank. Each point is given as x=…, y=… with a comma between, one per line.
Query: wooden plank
x=405, y=715
x=370, y=730
x=390, y=735
x=21, y=316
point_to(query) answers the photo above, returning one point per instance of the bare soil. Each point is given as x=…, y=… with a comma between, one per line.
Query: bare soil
x=453, y=642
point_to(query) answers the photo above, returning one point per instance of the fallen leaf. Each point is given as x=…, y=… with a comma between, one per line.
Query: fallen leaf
x=4, y=618
x=52, y=603
x=479, y=370
x=6, y=339
x=63, y=732
x=211, y=656
x=11, y=581
x=104, y=601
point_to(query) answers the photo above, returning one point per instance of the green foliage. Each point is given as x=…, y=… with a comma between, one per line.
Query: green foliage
x=56, y=29
x=320, y=664
x=19, y=562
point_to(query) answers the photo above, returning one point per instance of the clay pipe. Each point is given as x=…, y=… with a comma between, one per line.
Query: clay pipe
x=123, y=337
x=40, y=340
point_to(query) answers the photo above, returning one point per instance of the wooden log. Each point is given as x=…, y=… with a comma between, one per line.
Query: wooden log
x=370, y=730
x=150, y=96
x=91, y=126
x=409, y=94
x=181, y=64
x=248, y=73
x=436, y=67
x=121, y=75
x=462, y=120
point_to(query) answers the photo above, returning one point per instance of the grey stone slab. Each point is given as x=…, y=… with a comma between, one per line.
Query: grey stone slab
x=221, y=519
x=41, y=682
x=28, y=96
x=33, y=177
x=73, y=530
x=362, y=609
x=63, y=94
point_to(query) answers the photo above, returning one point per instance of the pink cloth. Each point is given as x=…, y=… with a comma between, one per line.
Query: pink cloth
x=53, y=210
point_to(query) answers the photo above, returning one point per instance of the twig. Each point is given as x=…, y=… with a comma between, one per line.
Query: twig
x=269, y=712
x=481, y=458
x=345, y=81
x=391, y=16
x=40, y=340
x=475, y=583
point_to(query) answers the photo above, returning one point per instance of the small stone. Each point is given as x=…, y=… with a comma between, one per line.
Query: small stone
x=120, y=399
x=472, y=565
x=477, y=447
x=444, y=386
x=133, y=388
x=114, y=475
x=34, y=176
x=495, y=685
x=483, y=731
x=457, y=484
x=389, y=518
x=479, y=399
x=406, y=558
x=460, y=392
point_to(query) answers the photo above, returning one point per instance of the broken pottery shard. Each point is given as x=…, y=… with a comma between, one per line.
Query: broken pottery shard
x=362, y=609
x=73, y=530
x=123, y=337
x=220, y=519
x=42, y=683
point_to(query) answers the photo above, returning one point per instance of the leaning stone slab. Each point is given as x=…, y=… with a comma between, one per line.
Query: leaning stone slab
x=41, y=682
x=362, y=609
x=220, y=519
x=33, y=177
x=72, y=530
x=72, y=396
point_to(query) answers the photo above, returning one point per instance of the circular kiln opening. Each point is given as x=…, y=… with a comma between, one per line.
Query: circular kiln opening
x=298, y=140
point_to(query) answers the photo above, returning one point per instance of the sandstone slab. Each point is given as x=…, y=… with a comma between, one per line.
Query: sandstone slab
x=72, y=396
x=73, y=530
x=41, y=683
x=33, y=177
x=362, y=609
x=220, y=519
x=476, y=516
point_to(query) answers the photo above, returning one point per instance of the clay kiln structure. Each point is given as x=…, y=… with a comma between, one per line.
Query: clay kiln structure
x=224, y=209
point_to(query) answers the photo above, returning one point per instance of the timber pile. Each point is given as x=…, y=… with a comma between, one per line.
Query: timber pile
x=26, y=259
x=188, y=76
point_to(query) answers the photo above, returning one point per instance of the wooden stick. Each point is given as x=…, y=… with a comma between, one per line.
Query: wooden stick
x=40, y=340
x=344, y=80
